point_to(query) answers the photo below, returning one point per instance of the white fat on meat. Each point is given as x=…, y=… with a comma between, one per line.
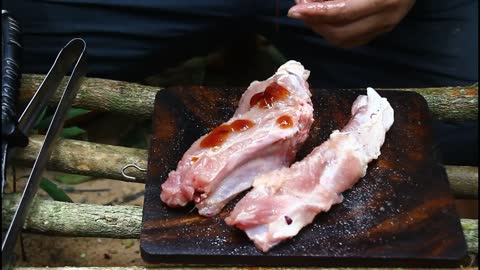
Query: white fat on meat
x=284, y=201
x=212, y=176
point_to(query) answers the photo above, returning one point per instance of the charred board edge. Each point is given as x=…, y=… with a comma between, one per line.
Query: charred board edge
x=172, y=256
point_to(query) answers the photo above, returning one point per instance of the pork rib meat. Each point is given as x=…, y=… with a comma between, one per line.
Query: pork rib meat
x=271, y=122
x=283, y=201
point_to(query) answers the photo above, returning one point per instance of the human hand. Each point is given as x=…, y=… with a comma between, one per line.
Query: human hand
x=351, y=23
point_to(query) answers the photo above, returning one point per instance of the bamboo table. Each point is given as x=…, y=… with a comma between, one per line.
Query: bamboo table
x=106, y=161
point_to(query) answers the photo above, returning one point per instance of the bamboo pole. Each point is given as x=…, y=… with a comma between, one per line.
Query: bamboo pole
x=106, y=161
x=446, y=103
x=89, y=220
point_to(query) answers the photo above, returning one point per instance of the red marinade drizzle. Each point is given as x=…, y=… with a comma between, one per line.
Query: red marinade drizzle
x=285, y=121
x=274, y=92
x=220, y=134
x=241, y=125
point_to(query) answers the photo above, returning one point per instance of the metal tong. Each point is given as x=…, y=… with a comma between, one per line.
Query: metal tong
x=15, y=132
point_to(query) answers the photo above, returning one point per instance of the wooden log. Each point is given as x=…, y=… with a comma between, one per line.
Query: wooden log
x=470, y=230
x=446, y=103
x=86, y=158
x=463, y=179
x=450, y=103
x=106, y=161
x=101, y=95
x=89, y=220
x=76, y=219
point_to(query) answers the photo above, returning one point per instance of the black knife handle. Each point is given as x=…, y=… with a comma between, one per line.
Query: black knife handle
x=11, y=74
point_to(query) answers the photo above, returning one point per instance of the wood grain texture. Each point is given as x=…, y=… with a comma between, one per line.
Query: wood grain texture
x=446, y=103
x=400, y=214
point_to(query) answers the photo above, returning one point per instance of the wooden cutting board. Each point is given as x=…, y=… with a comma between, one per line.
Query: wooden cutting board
x=401, y=213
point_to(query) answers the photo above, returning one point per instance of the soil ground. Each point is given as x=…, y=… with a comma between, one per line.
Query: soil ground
x=42, y=250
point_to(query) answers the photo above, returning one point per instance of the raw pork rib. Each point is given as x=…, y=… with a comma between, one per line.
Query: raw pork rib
x=272, y=120
x=285, y=200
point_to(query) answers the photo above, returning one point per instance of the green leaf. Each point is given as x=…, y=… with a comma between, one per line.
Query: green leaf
x=54, y=191
x=74, y=112
x=71, y=132
x=72, y=179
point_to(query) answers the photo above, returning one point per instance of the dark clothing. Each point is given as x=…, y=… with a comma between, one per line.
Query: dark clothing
x=435, y=45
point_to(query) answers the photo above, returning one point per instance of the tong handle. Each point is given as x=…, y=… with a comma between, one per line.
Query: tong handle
x=11, y=74
x=73, y=54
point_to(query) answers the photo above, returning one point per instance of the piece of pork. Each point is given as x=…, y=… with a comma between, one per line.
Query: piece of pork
x=285, y=200
x=271, y=122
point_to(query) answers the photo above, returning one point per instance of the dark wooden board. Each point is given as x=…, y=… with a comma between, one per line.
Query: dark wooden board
x=401, y=213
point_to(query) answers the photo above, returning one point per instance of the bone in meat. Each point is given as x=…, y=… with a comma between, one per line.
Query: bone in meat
x=284, y=201
x=270, y=124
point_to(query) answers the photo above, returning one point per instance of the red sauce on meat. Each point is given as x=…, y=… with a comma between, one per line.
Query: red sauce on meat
x=241, y=125
x=274, y=92
x=194, y=159
x=220, y=134
x=216, y=137
x=285, y=121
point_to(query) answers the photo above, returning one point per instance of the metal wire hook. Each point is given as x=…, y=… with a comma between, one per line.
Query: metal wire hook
x=128, y=166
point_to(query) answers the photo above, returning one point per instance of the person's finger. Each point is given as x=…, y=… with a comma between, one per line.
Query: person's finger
x=338, y=11
x=356, y=33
